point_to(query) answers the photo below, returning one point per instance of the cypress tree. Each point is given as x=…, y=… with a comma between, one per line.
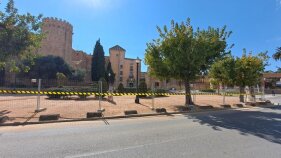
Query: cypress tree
x=98, y=63
x=110, y=79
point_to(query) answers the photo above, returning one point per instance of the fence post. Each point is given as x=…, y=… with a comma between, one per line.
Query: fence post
x=38, y=109
x=153, y=91
x=100, y=97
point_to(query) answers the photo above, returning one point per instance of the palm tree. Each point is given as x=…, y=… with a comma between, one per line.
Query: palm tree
x=277, y=55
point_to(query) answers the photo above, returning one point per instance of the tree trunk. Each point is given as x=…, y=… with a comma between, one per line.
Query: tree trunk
x=241, y=95
x=252, y=94
x=188, y=100
x=223, y=102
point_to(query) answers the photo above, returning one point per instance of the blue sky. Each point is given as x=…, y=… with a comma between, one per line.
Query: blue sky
x=256, y=24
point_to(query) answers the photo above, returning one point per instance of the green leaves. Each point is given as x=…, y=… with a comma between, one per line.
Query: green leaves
x=182, y=52
x=98, y=62
x=249, y=69
x=244, y=71
x=223, y=71
x=20, y=36
x=277, y=55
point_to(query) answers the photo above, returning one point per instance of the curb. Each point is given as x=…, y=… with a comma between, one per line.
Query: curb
x=131, y=116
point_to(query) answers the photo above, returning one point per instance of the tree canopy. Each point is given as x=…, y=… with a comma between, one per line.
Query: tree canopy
x=47, y=67
x=223, y=71
x=110, y=75
x=182, y=52
x=277, y=54
x=20, y=36
x=98, y=63
x=241, y=71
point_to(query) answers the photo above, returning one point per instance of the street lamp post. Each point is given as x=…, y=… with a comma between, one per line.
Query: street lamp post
x=110, y=98
x=137, y=100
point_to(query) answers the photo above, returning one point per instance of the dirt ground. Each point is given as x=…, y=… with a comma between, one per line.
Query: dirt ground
x=21, y=108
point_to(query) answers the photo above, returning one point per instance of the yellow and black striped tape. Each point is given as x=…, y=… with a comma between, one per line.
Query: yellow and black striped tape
x=107, y=94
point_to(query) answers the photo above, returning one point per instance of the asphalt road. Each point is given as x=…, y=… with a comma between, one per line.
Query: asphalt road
x=245, y=133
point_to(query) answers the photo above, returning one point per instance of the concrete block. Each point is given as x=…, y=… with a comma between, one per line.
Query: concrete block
x=130, y=112
x=94, y=114
x=251, y=104
x=50, y=117
x=160, y=110
x=238, y=105
x=225, y=106
x=206, y=107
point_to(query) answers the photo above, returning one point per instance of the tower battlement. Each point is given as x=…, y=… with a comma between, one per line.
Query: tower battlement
x=60, y=23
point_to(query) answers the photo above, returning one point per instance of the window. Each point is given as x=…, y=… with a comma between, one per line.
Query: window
x=121, y=72
x=121, y=66
x=120, y=79
x=131, y=68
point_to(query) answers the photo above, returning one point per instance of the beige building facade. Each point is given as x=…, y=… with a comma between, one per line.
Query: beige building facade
x=58, y=38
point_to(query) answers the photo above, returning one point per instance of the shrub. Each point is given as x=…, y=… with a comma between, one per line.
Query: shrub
x=58, y=96
x=208, y=90
x=142, y=88
x=85, y=90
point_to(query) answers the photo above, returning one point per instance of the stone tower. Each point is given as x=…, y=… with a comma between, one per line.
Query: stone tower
x=58, y=39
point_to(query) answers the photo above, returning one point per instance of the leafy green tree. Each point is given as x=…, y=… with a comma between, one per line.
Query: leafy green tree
x=223, y=71
x=47, y=67
x=98, y=62
x=249, y=70
x=277, y=55
x=20, y=36
x=110, y=75
x=183, y=53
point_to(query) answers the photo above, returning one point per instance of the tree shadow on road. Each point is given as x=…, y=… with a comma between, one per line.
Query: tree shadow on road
x=266, y=125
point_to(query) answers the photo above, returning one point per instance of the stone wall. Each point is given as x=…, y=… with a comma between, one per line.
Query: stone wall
x=58, y=38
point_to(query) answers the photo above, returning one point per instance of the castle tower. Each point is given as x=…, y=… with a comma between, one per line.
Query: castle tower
x=116, y=57
x=58, y=39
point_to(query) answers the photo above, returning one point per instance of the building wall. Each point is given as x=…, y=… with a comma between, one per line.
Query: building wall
x=125, y=69
x=152, y=82
x=58, y=39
